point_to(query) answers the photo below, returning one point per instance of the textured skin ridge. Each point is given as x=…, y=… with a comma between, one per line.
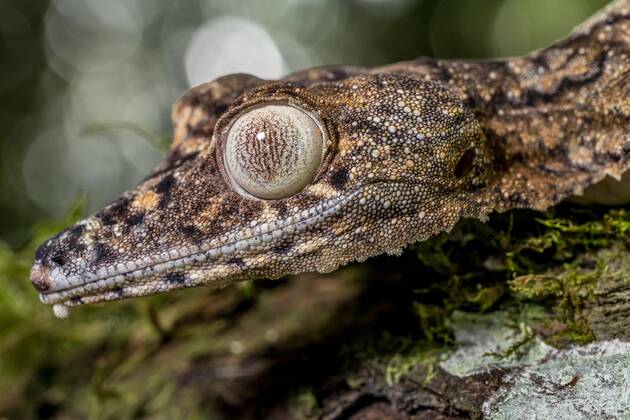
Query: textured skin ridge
x=410, y=149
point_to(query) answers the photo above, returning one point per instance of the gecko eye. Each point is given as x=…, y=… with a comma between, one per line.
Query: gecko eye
x=273, y=151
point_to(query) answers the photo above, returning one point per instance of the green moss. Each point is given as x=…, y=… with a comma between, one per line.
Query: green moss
x=565, y=238
x=392, y=356
x=537, y=287
x=572, y=287
x=486, y=297
x=542, y=268
x=303, y=403
x=520, y=256
x=541, y=257
x=433, y=322
x=401, y=364
x=576, y=331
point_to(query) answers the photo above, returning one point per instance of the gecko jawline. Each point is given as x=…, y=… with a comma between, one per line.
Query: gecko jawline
x=133, y=278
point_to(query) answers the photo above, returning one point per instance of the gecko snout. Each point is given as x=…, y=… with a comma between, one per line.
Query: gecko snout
x=60, y=261
x=40, y=277
x=48, y=261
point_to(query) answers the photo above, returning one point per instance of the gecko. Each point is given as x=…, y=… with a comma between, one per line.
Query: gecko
x=329, y=165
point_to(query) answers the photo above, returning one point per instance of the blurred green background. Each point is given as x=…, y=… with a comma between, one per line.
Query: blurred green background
x=86, y=88
x=87, y=85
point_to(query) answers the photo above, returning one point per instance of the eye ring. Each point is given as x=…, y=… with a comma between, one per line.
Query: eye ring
x=273, y=150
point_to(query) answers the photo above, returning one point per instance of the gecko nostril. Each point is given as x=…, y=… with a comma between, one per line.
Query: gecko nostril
x=58, y=260
x=465, y=164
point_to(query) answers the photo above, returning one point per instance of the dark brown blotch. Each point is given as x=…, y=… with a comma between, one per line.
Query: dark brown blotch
x=74, y=239
x=103, y=253
x=282, y=248
x=176, y=278
x=192, y=232
x=237, y=261
x=117, y=211
x=339, y=178
x=165, y=185
x=44, y=249
x=164, y=188
x=135, y=219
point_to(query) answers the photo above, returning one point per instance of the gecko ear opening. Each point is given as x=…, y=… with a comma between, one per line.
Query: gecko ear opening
x=465, y=163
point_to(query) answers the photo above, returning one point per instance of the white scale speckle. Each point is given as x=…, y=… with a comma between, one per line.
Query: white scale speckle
x=61, y=311
x=261, y=135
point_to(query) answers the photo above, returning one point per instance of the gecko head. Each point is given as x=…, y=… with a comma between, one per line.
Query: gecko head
x=267, y=179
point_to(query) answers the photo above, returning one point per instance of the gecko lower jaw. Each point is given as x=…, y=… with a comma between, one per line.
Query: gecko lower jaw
x=145, y=276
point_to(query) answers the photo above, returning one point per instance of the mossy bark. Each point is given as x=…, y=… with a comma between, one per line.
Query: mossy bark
x=529, y=310
x=592, y=294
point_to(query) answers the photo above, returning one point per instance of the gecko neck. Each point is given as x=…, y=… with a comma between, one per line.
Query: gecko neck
x=565, y=105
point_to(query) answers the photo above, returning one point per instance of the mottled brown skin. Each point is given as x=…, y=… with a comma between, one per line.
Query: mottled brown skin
x=412, y=147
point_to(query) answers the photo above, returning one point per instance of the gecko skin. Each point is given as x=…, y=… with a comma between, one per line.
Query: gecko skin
x=332, y=165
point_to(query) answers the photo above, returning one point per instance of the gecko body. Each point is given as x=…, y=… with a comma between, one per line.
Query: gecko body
x=337, y=164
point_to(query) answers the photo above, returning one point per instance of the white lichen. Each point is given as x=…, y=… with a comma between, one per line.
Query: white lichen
x=591, y=381
x=483, y=342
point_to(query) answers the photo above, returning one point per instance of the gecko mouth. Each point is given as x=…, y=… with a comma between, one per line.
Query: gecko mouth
x=206, y=262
